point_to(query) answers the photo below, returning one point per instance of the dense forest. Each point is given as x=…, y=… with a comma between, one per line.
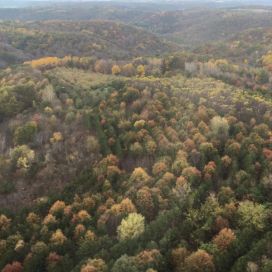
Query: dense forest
x=104, y=39
x=135, y=138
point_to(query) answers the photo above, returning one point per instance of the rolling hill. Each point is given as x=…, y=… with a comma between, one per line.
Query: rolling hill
x=192, y=28
x=136, y=137
x=25, y=41
x=184, y=159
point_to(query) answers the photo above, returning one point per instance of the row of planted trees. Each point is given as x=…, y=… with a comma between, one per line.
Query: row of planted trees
x=136, y=67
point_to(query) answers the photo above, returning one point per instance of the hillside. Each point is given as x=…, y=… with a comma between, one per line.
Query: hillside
x=104, y=39
x=136, y=137
x=246, y=47
x=195, y=27
x=167, y=148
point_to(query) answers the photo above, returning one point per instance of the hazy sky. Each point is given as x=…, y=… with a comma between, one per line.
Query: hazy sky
x=15, y=3
x=138, y=0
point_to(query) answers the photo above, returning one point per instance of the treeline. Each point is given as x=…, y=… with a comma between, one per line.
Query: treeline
x=257, y=80
x=136, y=67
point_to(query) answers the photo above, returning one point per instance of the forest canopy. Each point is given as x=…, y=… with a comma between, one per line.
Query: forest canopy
x=133, y=140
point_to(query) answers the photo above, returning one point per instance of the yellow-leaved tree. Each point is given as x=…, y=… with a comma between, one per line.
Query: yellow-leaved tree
x=131, y=227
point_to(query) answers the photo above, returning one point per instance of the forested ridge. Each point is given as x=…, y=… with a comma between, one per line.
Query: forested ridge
x=123, y=151
x=104, y=39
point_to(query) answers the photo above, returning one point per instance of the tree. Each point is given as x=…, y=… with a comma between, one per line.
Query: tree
x=178, y=256
x=102, y=66
x=252, y=267
x=48, y=95
x=126, y=206
x=207, y=149
x=151, y=147
x=22, y=156
x=44, y=62
x=50, y=220
x=148, y=258
x=144, y=202
x=192, y=174
x=32, y=218
x=233, y=149
x=131, y=94
x=139, y=124
x=226, y=163
x=58, y=238
x=25, y=134
x=139, y=176
x=79, y=231
x=89, y=235
x=252, y=214
x=131, y=227
x=267, y=266
x=92, y=144
x=94, y=265
x=57, y=137
x=113, y=172
x=128, y=70
x=82, y=216
x=53, y=260
x=15, y=99
x=225, y=195
x=125, y=264
x=267, y=60
x=209, y=170
x=14, y=267
x=180, y=163
x=20, y=245
x=39, y=248
x=224, y=238
x=141, y=71
x=220, y=126
x=136, y=149
x=182, y=188
x=4, y=223
x=262, y=76
x=199, y=261
x=116, y=70
x=159, y=168
x=57, y=208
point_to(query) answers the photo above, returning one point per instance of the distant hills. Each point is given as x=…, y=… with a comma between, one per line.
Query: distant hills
x=186, y=27
x=20, y=42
